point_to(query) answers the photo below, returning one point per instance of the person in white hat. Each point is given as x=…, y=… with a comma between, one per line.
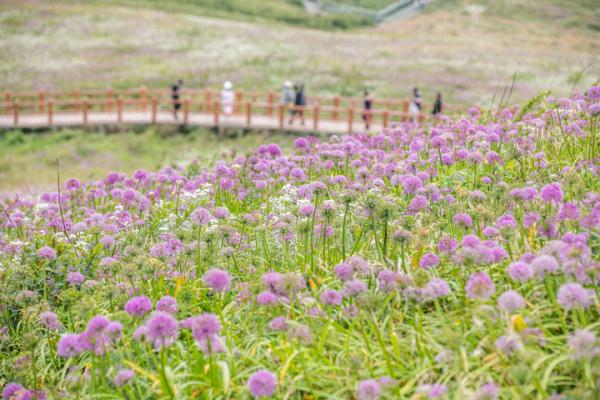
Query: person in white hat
x=227, y=98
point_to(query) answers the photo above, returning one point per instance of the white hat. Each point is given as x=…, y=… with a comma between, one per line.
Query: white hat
x=288, y=84
x=227, y=85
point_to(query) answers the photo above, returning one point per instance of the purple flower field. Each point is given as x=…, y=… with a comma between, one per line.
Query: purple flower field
x=458, y=259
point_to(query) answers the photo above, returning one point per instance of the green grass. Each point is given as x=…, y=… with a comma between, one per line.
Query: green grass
x=27, y=161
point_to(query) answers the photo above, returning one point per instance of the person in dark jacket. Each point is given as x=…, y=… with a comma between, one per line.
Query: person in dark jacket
x=437, y=106
x=175, y=96
x=299, y=104
x=368, y=105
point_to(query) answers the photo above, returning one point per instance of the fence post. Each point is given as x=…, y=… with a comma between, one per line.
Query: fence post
x=316, y=117
x=154, y=106
x=76, y=100
x=7, y=101
x=404, y=110
x=248, y=113
x=350, y=119
x=41, y=97
x=143, y=98
x=85, y=112
x=16, y=113
x=336, y=105
x=281, y=115
x=238, y=102
x=50, y=116
x=109, y=95
x=421, y=117
x=270, y=98
x=186, y=111
x=216, y=109
x=385, y=118
x=119, y=109
x=208, y=99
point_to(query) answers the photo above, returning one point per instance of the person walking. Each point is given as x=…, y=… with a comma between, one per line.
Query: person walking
x=287, y=96
x=414, y=109
x=175, y=97
x=227, y=98
x=368, y=105
x=437, y=106
x=299, y=104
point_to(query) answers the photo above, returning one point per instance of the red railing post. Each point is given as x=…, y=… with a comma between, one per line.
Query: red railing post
x=281, y=115
x=316, y=117
x=154, y=107
x=238, y=102
x=76, y=100
x=270, y=99
x=216, y=110
x=41, y=98
x=385, y=118
x=248, y=113
x=404, y=110
x=50, y=111
x=421, y=118
x=16, y=113
x=109, y=96
x=336, y=104
x=186, y=111
x=7, y=101
x=85, y=112
x=350, y=119
x=119, y=109
x=143, y=98
x=208, y=98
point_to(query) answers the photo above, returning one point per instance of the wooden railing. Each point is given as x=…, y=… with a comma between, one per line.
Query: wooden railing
x=200, y=107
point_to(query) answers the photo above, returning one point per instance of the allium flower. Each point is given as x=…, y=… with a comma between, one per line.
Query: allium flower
x=123, y=377
x=544, y=264
x=418, y=203
x=573, y=296
x=138, y=306
x=507, y=344
x=552, y=193
x=262, y=383
x=50, y=320
x=429, y=260
x=278, y=324
x=200, y=216
x=167, y=304
x=488, y=391
x=354, y=287
x=344, y=271
x=331, y=297
x=520, y=271
x=11, y=390
x=510, y=301
x=69, y=346
x=203, y=326
x=433, y=391
x=162, y=330
x=462, y=219
x=221, y=213
x=583, y=345
x=480, y=286
x=368, y=389
x=217, y=280
x=436, y=288
x=266, y=298
x=47, y=253
x=306, y=210
x=75, y=278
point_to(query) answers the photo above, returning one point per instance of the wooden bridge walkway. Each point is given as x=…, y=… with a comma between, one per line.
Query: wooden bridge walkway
x=251, y=110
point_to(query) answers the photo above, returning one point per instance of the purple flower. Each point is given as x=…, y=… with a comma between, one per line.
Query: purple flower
x=573, y=296
x=162, y=330
x=429, y=260
x=583, y=345
x=433, y=391
x=343, y=271
x=50, y=320
x=331, y=297
x=354, y=287
x=266, y=298
x=217, y=280
x=520, y=271
x=123, y=377
x=436, y=288
x=544, y=264
x=138, y=306
x=552, y=193
x=278, y=324
x=69, y=346
x=11, y=390
x=462, y=219
x=212, y=344
x=262, y=383
x=221, y=213
x=479, y=286
x=368, y=389
x=203, y=326
x=306, y=210
x=200, y=216
x=418, y=203
x=167, y=304
x=510, y=301
x=75, y=278
x=488, y=391
x=507, y=344
x=47, y=253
